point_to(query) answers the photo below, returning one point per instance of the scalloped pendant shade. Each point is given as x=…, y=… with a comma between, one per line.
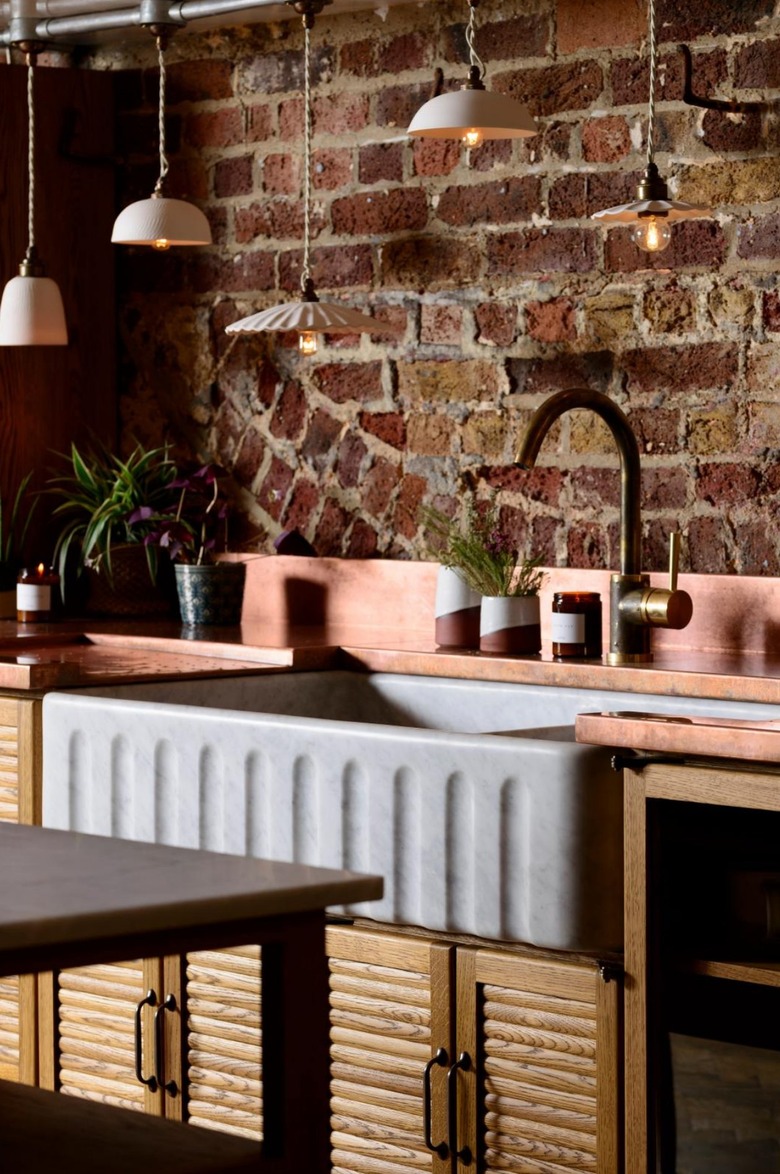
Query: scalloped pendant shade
x=160, y=221
x=315, y=317
x=32, y=314
x=454, y=115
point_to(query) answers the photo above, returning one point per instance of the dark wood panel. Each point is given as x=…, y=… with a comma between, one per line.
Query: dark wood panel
x=52, y=395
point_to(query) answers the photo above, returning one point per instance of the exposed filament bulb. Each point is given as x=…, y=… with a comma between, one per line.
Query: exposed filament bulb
x=307, y=342
x=651, y=235
x=161, y=244
x=473, y=138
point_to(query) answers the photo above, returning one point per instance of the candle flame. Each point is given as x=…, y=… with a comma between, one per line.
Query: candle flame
x=40, y=568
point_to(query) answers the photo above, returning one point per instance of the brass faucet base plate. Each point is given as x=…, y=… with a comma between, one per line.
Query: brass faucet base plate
x=628, y=657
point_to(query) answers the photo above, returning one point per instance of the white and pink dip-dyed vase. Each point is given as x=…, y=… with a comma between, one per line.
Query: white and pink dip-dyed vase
x=510, y=625
x=457, y=611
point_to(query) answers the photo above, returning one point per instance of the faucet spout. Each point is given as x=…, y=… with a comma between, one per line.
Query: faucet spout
x=630, y=473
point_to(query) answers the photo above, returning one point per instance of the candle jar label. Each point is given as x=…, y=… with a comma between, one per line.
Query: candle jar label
x=33, y=597
x=568, y=629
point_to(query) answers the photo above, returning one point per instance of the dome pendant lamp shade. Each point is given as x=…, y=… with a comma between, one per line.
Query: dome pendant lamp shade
x=309, y=316
x=652, y=212
x=31, y=310
x=472, y=113
x=161, y=221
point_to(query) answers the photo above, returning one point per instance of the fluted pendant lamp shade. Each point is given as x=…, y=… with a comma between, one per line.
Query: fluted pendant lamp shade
x=652, y=211
x=472, y=113
x=161, y=221
x=31, y=310
x=309, y=316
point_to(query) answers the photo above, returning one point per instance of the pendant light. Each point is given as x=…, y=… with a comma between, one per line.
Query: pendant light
x=161, y=221
x=652, y=212
x=309, y=316
x=472, y=113
x=31, y=310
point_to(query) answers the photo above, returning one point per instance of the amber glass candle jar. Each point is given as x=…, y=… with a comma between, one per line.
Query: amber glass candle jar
x=34, y=594
x=576, y=624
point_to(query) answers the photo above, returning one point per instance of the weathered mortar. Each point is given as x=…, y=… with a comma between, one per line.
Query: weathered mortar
x=505, y=289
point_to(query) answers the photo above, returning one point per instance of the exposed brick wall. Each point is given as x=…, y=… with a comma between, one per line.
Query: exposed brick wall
x=506, y=291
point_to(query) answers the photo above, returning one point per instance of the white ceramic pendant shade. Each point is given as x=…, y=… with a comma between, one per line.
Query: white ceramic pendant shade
x=457, y=114
x=669, y=209
x=161, y=222
x=32, y=313
x=306, y=317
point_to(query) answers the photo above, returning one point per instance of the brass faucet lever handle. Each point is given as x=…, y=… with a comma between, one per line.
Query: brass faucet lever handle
x=674, y=558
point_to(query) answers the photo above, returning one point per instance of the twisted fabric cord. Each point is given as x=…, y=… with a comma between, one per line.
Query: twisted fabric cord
x=161, y=121
x=30, y=159
x=307, y=135
x=653, y=64
x=471, y=32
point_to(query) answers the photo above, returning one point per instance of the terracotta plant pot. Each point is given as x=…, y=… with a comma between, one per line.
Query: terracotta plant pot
x=457, y=611
x=210, y=594
x=510, y=625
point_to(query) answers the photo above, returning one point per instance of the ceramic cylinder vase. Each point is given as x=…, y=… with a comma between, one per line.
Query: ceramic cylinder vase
x=457, y=611
x=210, y=594
x=510, y=625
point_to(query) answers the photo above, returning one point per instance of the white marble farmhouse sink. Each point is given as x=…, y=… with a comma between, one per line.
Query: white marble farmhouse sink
x=471, y=798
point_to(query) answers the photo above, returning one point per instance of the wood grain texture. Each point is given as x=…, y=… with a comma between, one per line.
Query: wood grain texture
x=635, y=918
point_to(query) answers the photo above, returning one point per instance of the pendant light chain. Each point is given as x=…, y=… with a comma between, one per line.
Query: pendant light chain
x=475, y=60
x=307, y=182
x=161, y=120
x=30, y=160
x=653, y=67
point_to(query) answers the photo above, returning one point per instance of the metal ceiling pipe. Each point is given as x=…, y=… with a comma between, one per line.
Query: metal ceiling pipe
x=66, y=28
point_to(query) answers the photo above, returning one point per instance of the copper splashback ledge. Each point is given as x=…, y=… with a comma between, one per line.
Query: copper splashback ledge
x=750, y=741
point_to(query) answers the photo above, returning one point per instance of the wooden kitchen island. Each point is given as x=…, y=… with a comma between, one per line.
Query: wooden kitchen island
x=68, y=899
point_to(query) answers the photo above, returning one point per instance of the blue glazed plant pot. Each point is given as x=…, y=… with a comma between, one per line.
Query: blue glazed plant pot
x=210, y=594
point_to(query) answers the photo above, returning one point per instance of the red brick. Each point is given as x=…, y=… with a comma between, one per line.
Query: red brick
x=441, y=324
x=386, y=426
x=331, y=529
x=542, y=250
x=725, y=483
x=406, y=51
x=332, y=168
x=596, y=24
x=656, y=429
x=724, y=132
x=760, y=238
x=542, y=483
x=259, y=123
x=684, y=368
x=771, y=311
x=363, y=540
x=275, y=488
x=233, y=176
x=427, y=262
x=496, y=324
x=198, y=81
x=332, y=267
x=708, y=547
x=216, y=128
x=588, y=546
x=758, y=549
x=407, y=507
x=492, y=153
x=282, y=175
x=379, y=485
x=562, y=371
x=685, y=22
x=290, y=414
x=321, y=434
x=397, y=318
x=595, y=488
x=380, y=213
x=340, y=114
x=342, y=382
x=397, y=105
x=665, y=488
x=278, y=219
x=303, y=503
x=291, y=119
x=513, y=524
x=606, y=140
x=551, y=321
x=544, y=540
x=630, y=77
x=358, y=57
x=351, y=453
x=695, y=244
x=249, y=271
x=218, y=222
x=379, y=162
x=435, y=156
x=500, y=202
x=273, y=73
x=572, y=86
x=757, y=65
x=249, y=458
x=499, y=40
x=576, y=196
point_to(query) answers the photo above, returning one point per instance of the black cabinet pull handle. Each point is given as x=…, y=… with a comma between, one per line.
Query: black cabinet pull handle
x=463, y=1063
x=149, y=1081
x=168, y=1004
x=439, y=1060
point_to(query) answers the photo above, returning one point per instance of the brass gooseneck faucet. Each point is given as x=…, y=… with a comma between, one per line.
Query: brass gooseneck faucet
x=635, y=607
